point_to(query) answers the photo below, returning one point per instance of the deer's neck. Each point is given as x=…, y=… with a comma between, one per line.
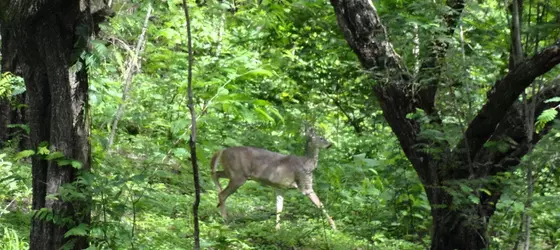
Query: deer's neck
x=312, y=152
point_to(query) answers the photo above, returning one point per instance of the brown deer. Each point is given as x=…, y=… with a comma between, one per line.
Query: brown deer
x=269, y=168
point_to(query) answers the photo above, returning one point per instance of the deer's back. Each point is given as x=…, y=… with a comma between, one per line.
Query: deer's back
x=262, y=165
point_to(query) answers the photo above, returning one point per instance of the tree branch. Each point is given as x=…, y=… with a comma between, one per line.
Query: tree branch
x=352, y=120
x=368, y=38
x=504, y=93
x=429, y=69
x=513, y=127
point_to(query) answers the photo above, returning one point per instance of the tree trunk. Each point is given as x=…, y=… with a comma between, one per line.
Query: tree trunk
x=51, y=38
x=451, y=230
x=458, y=227
x=58, y=115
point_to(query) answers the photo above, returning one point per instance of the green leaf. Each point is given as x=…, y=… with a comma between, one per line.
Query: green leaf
x=24, y=154
x=43, y=150
x=465, y=188
x=53, y=197
x=80, y=230
x=486, y=191
x=222, y=91
x=518, y=206
x=180, y=152
x=24, y=127
x=474, y=199
x=139, y=178
x=373, y=171
x=260, y=102
x=55, y=155
x=264, y=115
x=76, y=164
x=179, y=125
x=64, y=162
x=231, y=142
x=361, y=159
x=259, y=72
x=545, y=117
x=553, y=99
x=276, y=113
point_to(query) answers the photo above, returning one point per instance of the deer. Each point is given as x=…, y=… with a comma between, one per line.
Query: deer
x=280, y=171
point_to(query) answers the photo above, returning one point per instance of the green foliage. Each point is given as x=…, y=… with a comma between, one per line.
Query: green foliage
x=547, y=115
x=9, y=240
x=15, y=193
x=14, y=182
x=10, y=85
x=80, y=230
x=259, y=74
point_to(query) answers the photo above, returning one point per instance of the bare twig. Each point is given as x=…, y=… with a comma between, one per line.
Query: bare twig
x=133, y=67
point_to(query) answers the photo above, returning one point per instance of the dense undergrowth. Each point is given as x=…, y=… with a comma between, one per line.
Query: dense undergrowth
x=143, y=201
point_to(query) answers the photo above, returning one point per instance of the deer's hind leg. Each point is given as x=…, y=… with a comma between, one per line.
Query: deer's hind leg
x=233, y=185
x=216, y=178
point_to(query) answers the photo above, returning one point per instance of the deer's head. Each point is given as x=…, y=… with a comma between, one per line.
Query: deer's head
x=317, y=141
x=320, y=142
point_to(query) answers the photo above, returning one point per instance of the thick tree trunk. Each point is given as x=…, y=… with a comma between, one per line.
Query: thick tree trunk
x=57, y=103
x=455, y=230
x=459, y=224
x=50, y=40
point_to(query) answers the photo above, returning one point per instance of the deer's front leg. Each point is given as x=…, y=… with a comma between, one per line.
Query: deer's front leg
x=315, y=199
x=305, y=185
x=279, y=206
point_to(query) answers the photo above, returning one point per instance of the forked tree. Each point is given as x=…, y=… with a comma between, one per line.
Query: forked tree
x=455, y=225
x=269, y=168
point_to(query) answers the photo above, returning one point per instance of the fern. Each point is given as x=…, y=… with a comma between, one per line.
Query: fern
x=547, y=115
x=5, y=84
x=10, y=85
x=553, y=99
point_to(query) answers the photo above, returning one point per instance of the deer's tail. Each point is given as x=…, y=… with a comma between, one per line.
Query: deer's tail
x=213, y=167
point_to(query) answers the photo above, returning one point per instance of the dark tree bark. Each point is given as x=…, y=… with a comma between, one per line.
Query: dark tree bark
x=50, y=38
x=192, y=139
x=455, y=225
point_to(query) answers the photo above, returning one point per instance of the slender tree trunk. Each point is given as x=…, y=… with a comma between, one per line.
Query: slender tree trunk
x=192, y=140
